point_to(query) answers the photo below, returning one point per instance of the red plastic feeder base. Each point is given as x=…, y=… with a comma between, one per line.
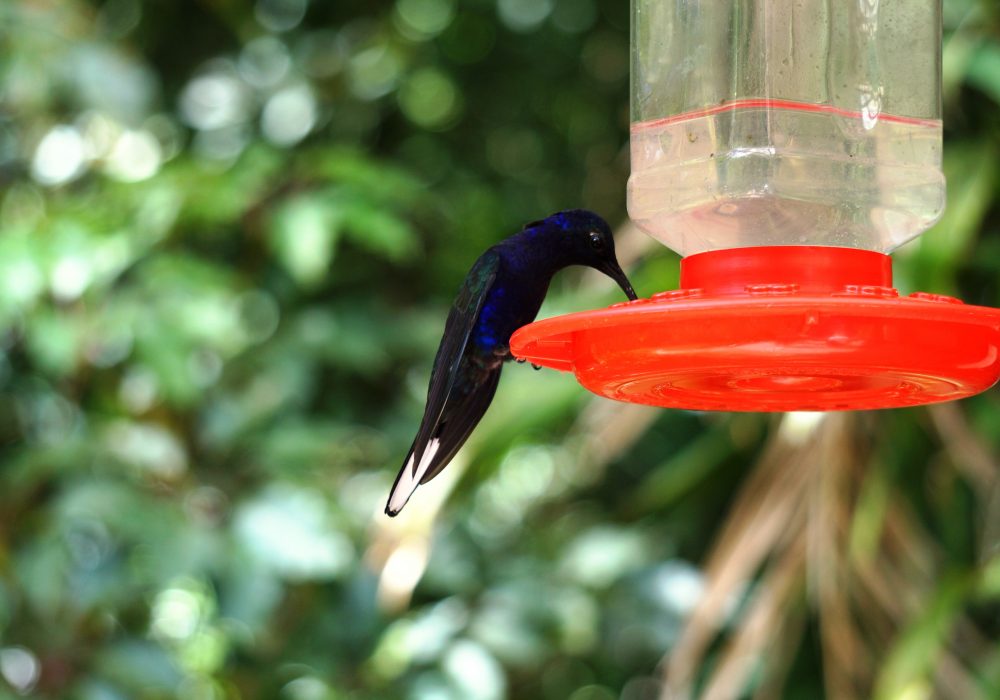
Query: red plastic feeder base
x=784, y=328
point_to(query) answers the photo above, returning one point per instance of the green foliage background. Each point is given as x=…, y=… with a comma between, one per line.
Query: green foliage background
x=229, y=233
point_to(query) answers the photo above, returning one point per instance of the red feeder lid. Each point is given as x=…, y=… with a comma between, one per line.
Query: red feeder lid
x=777, y=328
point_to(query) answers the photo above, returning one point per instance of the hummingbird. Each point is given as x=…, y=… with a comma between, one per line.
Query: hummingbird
x=502, y=292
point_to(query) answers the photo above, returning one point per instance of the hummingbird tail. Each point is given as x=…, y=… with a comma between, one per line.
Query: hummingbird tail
x=409, y=478
x=458, y=421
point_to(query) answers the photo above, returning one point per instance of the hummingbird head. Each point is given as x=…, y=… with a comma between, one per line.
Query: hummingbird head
x=586, y=240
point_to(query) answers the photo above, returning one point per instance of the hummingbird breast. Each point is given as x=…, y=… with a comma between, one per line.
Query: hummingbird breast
x=507, y=308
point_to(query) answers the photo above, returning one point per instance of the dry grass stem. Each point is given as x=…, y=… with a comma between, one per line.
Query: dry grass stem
x=788, y=539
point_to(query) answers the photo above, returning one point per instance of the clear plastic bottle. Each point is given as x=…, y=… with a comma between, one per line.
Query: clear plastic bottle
x=786, y=122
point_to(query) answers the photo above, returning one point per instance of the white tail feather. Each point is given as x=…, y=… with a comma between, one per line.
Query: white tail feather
x=408, y=480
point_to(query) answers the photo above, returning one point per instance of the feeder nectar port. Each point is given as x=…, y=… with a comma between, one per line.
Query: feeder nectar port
x=779, y=328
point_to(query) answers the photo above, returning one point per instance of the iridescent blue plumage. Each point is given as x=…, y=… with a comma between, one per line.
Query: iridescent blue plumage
x=502, y=292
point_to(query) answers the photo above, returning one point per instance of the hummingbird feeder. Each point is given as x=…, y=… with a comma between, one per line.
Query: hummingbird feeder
x=783, y=148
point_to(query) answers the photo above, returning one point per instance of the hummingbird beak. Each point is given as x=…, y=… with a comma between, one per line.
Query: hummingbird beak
x=613, y=270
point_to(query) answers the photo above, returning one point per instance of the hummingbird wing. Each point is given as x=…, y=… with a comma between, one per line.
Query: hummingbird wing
x=457, y=329
x=460, y=417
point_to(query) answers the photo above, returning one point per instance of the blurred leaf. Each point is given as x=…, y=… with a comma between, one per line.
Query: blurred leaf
x=138, y=664
x=910, y=663
x=984, y=69
x=869, y=517
x=971, y=171
x=384, y=182
x=378, y=231
x=304, y=235
x=682, y=471
x=54, y=340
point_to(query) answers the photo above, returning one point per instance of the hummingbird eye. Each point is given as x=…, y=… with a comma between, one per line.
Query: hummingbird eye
x=596, y=240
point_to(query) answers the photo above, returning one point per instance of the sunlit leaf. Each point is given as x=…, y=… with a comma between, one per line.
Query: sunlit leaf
x=304, y=235
x=379, y=231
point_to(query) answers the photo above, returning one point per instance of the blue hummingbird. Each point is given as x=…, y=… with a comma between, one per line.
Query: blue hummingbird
x=502, y=292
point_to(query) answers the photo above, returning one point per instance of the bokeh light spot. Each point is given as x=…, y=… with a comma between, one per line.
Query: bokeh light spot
x=304, y=238
x=111, y=80
x=307, y=688
x=22, y=281
x=214, y=100
x=289, y=115
x=289, y=530
x=474, y=670
x=139, y=389
x=373, y=72
x=524, y=15
x=135, y=156
x=429, y=99
x=119, y=17
x=178, y=611
x=280, y=15
x=20, y=668
x=71, y=276
x=99, y=133
x=224, y=144
x=204, y=653
x=423, y=19
x=168, y=134
x=259, y=314
x=149, y=447
x=60, y=156
x=601, y=555
x=264, y=62
x=917, y=689
x=679, y=586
